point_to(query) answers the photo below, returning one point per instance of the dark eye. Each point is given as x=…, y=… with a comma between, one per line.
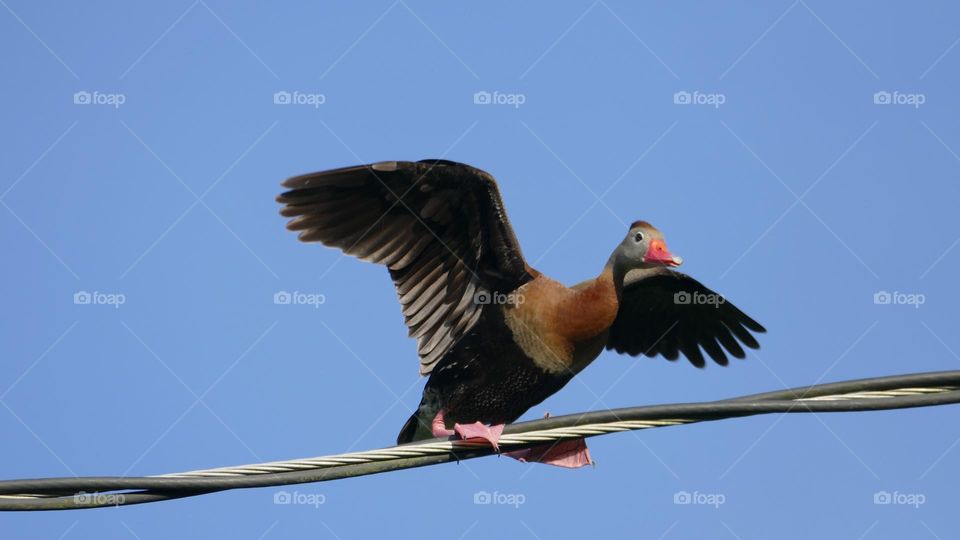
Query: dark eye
x=638, y=237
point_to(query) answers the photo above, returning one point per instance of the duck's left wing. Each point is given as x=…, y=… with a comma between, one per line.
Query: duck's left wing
x=438, y=226
x=666, y=312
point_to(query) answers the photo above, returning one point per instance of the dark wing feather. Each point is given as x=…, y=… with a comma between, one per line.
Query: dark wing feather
x=667, y=313
x=438, y=226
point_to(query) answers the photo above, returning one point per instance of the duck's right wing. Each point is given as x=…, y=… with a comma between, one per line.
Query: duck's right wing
x=668, y=313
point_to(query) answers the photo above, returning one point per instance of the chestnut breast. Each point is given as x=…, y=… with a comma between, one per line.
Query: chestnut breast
x=562, y=329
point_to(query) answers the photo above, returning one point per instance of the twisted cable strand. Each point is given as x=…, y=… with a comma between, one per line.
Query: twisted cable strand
x=918, y=390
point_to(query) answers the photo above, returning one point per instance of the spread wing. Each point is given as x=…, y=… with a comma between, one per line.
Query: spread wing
x=438, y=226
x=666, y=312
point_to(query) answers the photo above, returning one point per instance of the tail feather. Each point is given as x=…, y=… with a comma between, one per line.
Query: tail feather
x=418, y=426
x=409, y=430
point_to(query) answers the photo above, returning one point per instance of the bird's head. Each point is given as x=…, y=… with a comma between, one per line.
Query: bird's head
x=643, y=247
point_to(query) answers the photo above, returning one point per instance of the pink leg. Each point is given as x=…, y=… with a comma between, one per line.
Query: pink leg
x=439, y=427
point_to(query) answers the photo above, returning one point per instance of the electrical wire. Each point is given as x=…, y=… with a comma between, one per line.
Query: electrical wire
x=881, y=393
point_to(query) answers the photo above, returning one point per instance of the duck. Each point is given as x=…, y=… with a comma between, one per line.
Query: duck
x=495, y=336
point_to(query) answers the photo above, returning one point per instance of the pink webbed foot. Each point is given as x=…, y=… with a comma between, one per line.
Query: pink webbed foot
x=476, y=430
x=571, y=454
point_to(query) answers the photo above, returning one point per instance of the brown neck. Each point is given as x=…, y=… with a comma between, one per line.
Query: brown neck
x=592, y=307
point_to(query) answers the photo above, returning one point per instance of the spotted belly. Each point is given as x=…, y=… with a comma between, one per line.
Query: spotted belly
x=504, y=396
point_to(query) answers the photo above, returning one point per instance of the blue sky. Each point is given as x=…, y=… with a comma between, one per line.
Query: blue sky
x=815, y=165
